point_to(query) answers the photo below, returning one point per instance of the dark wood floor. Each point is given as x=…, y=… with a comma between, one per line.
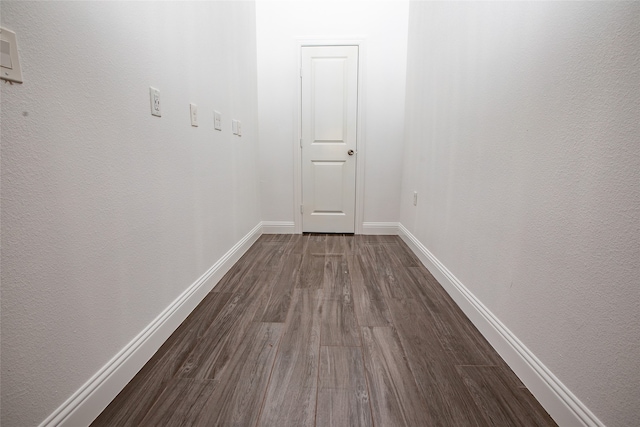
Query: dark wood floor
x=326, y=330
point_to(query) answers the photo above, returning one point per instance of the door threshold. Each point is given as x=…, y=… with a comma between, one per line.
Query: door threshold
x=310, y=233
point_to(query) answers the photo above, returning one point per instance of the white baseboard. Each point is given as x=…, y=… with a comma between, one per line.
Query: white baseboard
x=563, y=406
x=91, y=399
x=278, y=227
x=380, y=228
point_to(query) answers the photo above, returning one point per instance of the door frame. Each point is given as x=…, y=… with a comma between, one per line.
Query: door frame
x=301, y=42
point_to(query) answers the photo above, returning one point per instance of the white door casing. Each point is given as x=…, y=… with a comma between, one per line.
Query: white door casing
x=328, y=143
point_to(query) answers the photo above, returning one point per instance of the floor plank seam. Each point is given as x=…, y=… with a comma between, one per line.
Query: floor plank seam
x=364, y=364
x=266, y=389
x=366, y=379
x=315, y=412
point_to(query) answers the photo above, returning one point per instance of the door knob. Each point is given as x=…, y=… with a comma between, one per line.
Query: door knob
x=350, y=152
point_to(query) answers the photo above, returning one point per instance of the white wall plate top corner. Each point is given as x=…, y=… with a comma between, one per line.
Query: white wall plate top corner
x=9, y=62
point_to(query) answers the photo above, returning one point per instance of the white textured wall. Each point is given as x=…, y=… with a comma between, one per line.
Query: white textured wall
x=383, y=25
x=523, y=141
x=108, y=213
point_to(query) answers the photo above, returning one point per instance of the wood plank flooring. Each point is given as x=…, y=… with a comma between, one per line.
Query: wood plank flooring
x=326, y=330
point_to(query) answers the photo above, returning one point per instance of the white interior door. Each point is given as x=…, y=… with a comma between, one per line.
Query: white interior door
x=329, y=124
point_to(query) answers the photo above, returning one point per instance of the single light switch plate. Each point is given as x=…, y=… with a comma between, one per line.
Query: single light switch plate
x=154, y=97
x=239, y=128
x=234, y=127
x=194, y=115
x=9, y=63
x=217, y=120
x=415, y=198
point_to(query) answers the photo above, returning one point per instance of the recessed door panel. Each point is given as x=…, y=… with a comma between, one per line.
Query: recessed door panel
x=328, y=188
x=329, y=119
x=329, y=138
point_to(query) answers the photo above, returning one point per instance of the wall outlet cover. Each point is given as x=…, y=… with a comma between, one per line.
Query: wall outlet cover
x=154, y=98
x=217, y=120
x=194, y=114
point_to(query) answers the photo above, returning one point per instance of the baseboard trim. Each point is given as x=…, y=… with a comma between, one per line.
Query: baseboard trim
x=91, y=399
x=278, y=227
x=563, y=406
x=380, y=228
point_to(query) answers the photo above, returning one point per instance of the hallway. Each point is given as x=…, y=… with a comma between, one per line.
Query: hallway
x=152, y=143
x=326, y=330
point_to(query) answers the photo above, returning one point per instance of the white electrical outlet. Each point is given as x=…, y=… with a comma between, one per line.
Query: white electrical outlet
x=217, y=120
x=154, y=97
x=194, y=115
x=415, y=198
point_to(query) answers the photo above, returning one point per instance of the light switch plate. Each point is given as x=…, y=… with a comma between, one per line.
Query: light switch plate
x=9, y=63
x=154, y=98
x=239, y=128
x=234, y=126
x=217, y=120
x=194, y=115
